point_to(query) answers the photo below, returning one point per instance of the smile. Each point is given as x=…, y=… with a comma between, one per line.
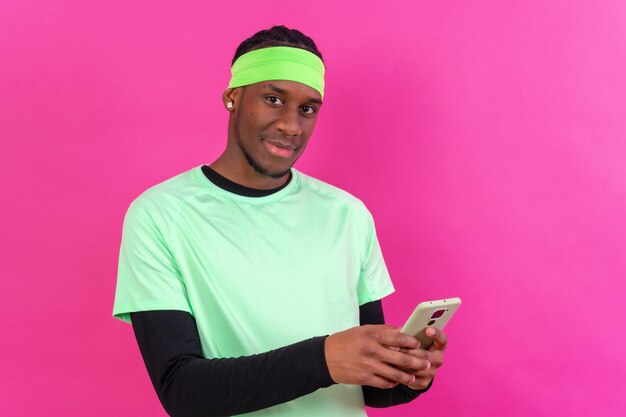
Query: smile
x=278, y=149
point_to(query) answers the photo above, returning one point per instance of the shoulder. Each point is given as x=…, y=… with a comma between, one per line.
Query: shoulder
x=334, y=195
x=165, y=199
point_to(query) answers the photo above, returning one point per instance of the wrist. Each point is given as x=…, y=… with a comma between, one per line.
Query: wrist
x=319, y=357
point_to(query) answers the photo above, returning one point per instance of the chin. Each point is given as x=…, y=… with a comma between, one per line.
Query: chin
x=277, y=173
x=270, y=170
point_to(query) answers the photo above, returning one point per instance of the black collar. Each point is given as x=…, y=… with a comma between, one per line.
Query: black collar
x=239, y=189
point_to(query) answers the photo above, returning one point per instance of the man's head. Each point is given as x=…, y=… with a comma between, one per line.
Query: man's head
x=273, y=100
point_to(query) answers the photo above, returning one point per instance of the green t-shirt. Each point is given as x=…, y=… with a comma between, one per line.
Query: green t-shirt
x=257, y=273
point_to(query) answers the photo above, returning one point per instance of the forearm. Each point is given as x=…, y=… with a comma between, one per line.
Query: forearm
x=190, y=385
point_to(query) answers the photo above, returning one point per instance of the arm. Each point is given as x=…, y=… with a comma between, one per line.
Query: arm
x=187, y=384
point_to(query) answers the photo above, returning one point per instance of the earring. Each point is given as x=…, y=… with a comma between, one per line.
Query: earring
x=229, y=105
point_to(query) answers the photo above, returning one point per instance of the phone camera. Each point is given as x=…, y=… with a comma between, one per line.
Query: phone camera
x=438, y=313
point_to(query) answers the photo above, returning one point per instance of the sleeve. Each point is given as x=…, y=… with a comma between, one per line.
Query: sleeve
x=148, y=277
x=188, y=384
x=374, y=280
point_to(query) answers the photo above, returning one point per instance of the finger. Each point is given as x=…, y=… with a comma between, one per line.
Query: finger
x=395, y=338
x=405, y=350
x=435, y=357
x=394, y=374
x=436, y=360
x=405, y=361
x=440, y=340
x=421, y=383
x=379, y=382
x=414, y=337
x=417, y=353
x=426, y=373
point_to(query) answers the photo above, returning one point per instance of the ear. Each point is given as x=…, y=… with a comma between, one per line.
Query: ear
x=230, y=98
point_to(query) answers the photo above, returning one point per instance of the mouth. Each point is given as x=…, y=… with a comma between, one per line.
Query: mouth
x=280, y=149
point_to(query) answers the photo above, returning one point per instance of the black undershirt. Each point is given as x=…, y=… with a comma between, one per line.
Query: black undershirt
x=188, y=384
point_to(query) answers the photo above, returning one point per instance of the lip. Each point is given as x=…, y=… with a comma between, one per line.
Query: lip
x=278, y=148
x=280, y=144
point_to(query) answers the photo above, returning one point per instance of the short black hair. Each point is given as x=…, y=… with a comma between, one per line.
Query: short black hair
x=277, y=36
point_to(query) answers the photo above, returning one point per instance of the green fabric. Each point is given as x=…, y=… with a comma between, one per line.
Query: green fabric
x=279, y=63
x=257, y=273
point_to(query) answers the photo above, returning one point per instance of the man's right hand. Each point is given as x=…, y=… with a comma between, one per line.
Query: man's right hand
x=361, y=356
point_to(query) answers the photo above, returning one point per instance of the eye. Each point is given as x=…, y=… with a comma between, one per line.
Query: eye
x=308, y=109
x=274, y=100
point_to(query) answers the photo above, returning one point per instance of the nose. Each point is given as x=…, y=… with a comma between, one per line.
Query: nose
x=289, y=123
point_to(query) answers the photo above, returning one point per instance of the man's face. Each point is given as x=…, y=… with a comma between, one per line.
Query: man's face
x=273, y=122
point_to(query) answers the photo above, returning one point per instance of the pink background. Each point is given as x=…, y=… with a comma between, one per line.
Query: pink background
x=488, y=138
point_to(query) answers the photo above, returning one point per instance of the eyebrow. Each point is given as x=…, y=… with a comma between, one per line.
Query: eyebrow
x=283, y=91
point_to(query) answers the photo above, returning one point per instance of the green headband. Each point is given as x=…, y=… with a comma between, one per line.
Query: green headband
x=279, y=63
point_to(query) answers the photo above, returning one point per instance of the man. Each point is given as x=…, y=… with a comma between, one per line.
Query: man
x=234, y=274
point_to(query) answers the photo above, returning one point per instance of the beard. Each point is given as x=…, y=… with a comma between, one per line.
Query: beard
x=257, y=166
x=252, y=161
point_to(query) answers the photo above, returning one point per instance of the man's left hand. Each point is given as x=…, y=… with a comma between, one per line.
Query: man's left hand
x=434, y=355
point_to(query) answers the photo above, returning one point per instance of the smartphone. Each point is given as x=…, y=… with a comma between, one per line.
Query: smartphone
x=430, y=314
